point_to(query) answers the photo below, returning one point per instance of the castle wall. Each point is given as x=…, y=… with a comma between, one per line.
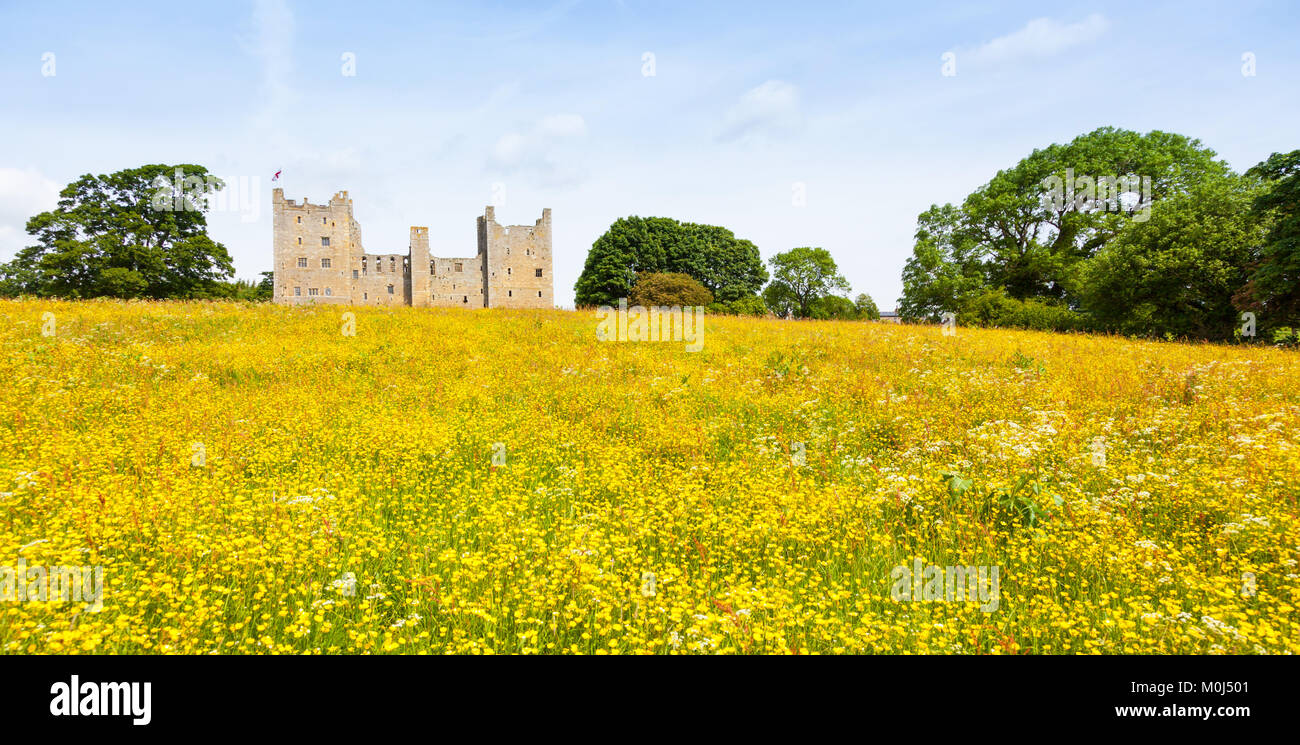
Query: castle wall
x=457, y=283
x=376, y=274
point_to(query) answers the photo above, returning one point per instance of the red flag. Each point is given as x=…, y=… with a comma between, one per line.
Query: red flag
x=276, y=177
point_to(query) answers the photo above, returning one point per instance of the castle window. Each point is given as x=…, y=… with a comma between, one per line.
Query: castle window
x=299, y=218
x=460, y=267
x=365, y=296
x=328, y=291
x=324, y=240
x=510, y=293
x=466, y=299
x=508, y=271
x=313, y=291
x=390, y=289
x=299, y=240
x=355, y=273
x=324, y=263
x=539, y=293
x=302, y=262
x=539, y=272
x=297, y=291
x=324, y=220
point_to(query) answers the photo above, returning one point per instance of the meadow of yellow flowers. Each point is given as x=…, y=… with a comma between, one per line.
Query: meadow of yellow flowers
x=252, y=479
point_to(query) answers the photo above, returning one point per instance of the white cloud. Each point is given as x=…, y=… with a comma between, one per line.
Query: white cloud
x=540, y=153
x=272, y=44
x=23, y=194
x=770, y=109
x=1042, y=37
x=562, y=125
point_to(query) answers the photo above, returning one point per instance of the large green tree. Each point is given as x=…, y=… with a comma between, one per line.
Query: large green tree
x=1028, y=230
x=731, y=268
x=140, y=232
x=800, y=277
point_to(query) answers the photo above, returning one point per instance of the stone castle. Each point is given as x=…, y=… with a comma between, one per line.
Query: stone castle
x=319, y=259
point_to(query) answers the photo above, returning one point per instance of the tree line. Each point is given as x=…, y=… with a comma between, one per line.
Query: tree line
x=1142, y=234
x=661, y=261
x=1116, y=231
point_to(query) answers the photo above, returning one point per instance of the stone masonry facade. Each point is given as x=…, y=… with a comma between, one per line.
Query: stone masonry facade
x=319, y=258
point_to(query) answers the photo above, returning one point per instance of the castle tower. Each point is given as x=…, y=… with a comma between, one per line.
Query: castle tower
x=419, y=267
x=517, y=262
x=313, y=245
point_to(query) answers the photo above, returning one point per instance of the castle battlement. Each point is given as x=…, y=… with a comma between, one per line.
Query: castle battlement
x=319, y=258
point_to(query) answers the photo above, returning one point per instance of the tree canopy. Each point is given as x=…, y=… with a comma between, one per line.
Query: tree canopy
x=729, y=267
x=1147, y=234
x=1176, y=273
x=1273, y=286
x=137, y=233
x=800, y=277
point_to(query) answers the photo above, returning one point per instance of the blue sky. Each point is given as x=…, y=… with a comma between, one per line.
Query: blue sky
x=455, y=106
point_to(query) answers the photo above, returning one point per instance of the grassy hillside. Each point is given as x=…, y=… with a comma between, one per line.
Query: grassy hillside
x=234, y=468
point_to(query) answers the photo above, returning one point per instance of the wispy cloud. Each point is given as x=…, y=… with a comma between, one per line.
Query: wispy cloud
x=530, y=27
x=540, y=152
x=272, y=45
x=771, y=109
x=1041, y=37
